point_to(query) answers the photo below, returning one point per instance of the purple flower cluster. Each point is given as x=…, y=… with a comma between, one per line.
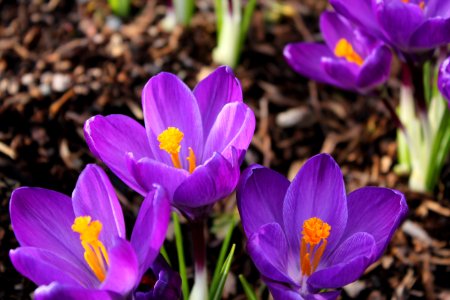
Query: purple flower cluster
x=355, y=56
x=305, y=237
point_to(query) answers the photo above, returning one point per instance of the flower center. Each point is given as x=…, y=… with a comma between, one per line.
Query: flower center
x=421, y=4
x=94, y=250
x=314, y=235
x=169, y=141
x=345, y=50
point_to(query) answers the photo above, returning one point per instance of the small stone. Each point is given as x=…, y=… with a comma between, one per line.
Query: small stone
x=27, y=79
x=113, y=23
x=61, y=82
x=45, y=89
x=298, y=116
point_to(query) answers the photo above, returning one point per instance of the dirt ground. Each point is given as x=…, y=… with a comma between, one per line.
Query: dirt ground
x=62, y=62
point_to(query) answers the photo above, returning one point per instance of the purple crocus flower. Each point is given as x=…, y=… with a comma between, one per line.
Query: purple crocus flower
x=410, y=26
x=307, y=236
x=192, y=143
x=444, y=79
x=350, y=59
x=77, y=248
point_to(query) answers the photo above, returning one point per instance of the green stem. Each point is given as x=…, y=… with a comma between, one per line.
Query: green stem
x=180, y=253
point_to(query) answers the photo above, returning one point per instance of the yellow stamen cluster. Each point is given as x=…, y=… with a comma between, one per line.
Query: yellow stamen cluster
x=345, y=50
x=94, y=251
x=169, y=141
x=314, y=232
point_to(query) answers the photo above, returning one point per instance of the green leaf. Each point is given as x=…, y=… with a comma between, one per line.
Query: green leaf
x=180, y=253
x=223, y=251
x=247, y=288
x=223, y=275
x=120, y=7
x=163, y=252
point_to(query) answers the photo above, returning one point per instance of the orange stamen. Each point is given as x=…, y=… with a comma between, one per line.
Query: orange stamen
x=345, y=50
x=313, y=244
x=169, y=141
x=191, y=159
x=94, y=251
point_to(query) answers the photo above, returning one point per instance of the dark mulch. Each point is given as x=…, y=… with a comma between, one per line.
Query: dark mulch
x=62, y=62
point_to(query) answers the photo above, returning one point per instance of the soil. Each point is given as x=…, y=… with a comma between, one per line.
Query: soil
x=62, y=62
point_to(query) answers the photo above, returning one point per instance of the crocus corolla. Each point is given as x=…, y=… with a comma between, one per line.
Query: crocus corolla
x=444, y=79
x=350, y=59
x=410, y=26
x=192, y=144
x=77, y=248
x=307, y=238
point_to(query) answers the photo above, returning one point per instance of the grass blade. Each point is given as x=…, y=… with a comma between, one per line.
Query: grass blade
x=180, y=253
x=223, y=275
x=247, y=288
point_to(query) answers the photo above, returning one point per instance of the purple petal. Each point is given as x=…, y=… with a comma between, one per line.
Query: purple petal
x=281, y=291
x=167, y=286
x=317, y=191
x=260, y=190
x=269, y=251
x=399, y=20
x=58, y=291
x=43, y=219
x=209, y=183
x=342, y=71
x=234, y=127
x=360, y=12
x=375, y=70
x=43, y=267
x=324, y=296
x=334, y=28
x=444, y=79
x=213, y=92
x=111, y=138
x=431, y=34
x=305, y=59
x=94, y=196
x=438, y=8
x=377, y=211
x=123, y=272
x=150, y=228
x=148, y=172
x=168, y=102
x=346, y=264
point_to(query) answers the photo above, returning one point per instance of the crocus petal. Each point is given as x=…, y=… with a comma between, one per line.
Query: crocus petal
x=234, y=127
x=269, y=251
x=43, y=267
x=167, y=286
x=213, y=92
x=305, y=59
x=111, y=138
x=148, y=172
x=376, y=69
x=444, y=79
x=398, y=21
x=347, y=263
x=168, y=102
x=94, y=196
x=59, y=291
x=150, y=228
x=43, y=219
x=208, y=184
x=123, y=272
x=377, y=211
x=324, y=296
x=437, y=8
x=358, y=11
x=334, y=27
x=281, y=291
x=342, y=71
x=431, y=34
x=260, y=190
x=317, y=191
